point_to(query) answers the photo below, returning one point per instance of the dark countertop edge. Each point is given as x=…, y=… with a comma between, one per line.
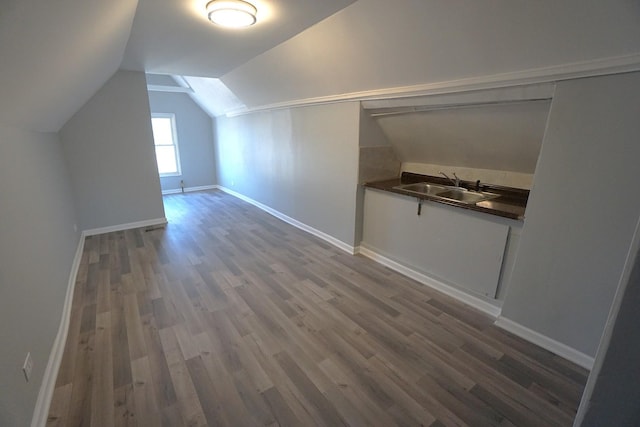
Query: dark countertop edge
x=508, y=195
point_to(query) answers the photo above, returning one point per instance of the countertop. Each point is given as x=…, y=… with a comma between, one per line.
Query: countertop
x=511, y=202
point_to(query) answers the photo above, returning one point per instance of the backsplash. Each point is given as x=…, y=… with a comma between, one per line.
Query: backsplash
x=497, y=177
x=378, y=163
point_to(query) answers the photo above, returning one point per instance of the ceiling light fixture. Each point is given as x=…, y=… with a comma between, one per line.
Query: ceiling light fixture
x=232, y=13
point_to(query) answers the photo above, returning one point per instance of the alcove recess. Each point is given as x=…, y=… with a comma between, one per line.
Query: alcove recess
x=493, y=135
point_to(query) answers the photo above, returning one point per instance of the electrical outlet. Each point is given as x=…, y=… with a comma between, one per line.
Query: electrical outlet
x=27, y=367
x=75, y=227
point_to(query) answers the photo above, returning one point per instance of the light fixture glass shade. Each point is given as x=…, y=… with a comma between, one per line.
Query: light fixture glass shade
x=232, y=13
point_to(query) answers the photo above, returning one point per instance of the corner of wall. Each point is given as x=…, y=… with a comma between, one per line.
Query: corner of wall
x=47, y=387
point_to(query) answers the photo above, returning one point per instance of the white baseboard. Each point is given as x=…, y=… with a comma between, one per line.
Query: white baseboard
x=477, y=303
x=322, y=235
x=545, y=342
x=189, y=189
x=47, y=387
x=128, y=226
x=532, y=336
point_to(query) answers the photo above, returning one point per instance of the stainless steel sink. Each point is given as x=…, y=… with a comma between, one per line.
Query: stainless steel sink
x=457, y=194
x=465, y=196
x=422, y=188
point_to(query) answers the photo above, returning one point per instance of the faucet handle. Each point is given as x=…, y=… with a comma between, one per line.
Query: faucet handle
x=455, y=182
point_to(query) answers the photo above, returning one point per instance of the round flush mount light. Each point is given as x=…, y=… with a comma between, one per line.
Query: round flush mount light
x=232, y=13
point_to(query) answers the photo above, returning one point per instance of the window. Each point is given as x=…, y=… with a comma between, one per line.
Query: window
x=164, y=137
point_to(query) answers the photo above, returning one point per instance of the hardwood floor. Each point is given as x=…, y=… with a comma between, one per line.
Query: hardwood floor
x=230, y=317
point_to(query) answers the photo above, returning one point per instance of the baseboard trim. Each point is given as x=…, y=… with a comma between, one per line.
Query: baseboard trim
x=302, y=226
x=477, y=303
x=127, y=226
x=189, y=189
x=545, y=342
x=50, y=376
x=47, y=387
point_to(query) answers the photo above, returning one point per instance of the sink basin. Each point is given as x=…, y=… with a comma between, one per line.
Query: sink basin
x=422, y=188
x=465, y=196
x=458, y=194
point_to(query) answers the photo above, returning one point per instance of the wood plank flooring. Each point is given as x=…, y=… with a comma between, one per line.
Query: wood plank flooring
x=230, y=317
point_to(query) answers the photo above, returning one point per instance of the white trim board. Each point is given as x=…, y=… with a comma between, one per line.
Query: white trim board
x=545, y=342
x=477, y=303
x=41, y=410
x=302, y=226
x=127, y=226
x=536, y=338
x=189, y=189
x=554, y=73
x=164, y=88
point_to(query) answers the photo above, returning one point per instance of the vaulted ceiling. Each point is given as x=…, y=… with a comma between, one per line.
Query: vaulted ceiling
x=175, y=37
x=381, y=44
x=55, y=55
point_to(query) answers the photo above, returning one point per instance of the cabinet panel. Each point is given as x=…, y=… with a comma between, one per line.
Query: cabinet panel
x=447, y=243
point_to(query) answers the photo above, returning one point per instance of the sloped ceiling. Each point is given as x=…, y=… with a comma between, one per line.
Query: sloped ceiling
x=376, y=44
x=175, y=37
x=213, y=96
x=209, y=93
x=504, y=137
x=54, y=55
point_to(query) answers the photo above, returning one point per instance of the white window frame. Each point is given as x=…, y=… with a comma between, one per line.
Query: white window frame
x=176, y=148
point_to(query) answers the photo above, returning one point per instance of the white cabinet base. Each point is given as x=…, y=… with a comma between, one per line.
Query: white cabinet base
x=454, y=246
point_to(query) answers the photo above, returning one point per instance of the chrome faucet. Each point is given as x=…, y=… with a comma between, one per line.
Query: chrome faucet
x=455, y=182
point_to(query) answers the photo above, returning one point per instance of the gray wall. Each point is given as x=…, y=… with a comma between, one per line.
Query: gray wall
x=108, y=145
x=505, y=137
x=37, y=246
x=302, y=162
x=371, y=134
x=377, y=161
x=195, y=139
x=581, y=213
x=378, y=158
x=616, y=388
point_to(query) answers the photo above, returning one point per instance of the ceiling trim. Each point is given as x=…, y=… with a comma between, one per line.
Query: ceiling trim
x=394, y=111
x=161, y=88
x=597, y=67
x=530, y=92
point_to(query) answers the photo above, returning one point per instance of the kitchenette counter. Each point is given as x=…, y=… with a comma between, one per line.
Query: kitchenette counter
x=509, y=203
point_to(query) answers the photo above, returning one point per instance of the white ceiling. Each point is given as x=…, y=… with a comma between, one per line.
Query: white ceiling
x=380, y=44
x=54, y=55
x=213, y=96
x=175, y=37
x=209, y=93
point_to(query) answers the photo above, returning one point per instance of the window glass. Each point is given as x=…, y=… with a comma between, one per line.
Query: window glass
x=166, y=144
